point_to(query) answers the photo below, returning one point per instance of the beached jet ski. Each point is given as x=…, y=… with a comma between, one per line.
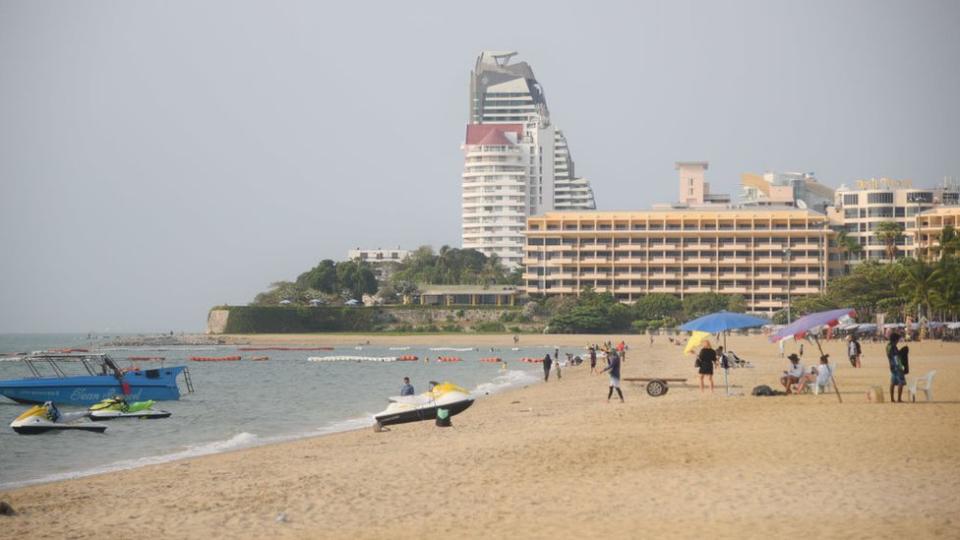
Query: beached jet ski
x=47, y=418
x=404, y=409
x=117, y=407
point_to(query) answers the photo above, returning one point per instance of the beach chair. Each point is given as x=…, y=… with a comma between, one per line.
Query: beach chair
x=824, y=388
x=924, y=384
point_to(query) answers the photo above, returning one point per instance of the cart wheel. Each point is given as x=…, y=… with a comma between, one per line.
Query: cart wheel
x=656, y=388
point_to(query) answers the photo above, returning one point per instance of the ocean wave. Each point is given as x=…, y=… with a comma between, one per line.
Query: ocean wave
x=454, y=349
x=508, y=379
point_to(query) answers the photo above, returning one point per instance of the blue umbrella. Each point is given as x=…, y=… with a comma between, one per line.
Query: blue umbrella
x=723, y=321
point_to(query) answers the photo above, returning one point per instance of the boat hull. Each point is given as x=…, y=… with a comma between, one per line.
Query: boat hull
x=99, y=416
x=156, y=384
x=419, y=414
x=44, y=428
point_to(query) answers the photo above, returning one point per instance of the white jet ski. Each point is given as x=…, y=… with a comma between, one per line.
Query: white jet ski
x=117, y=407
x=404, y=409
x=47, y=418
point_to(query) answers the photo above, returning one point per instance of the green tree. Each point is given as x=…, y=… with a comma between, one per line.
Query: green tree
x=322, y=277
x=355, y=278
x=657, y=306
x=847, y=245
x=890, y=233
x=949, y=241
x=698, y=305
x=945, y=298
x=737, y=303
x=919, y=283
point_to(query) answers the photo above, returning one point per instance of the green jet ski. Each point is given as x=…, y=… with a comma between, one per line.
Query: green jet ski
x=117, y=407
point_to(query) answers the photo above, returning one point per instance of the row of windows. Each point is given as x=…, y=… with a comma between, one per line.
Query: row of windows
x=677, y=227
x=707, y=243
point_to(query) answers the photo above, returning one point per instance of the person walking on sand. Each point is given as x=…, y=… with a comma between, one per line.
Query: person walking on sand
x=897, y=378
x=853, y=350
x=706, y=360
x=407, y=388
x=613, y=366
x=547, y=362
x=593, y=360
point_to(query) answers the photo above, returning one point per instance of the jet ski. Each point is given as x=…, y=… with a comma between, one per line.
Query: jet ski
x=404, y=409
x=46, y=418
x=117, y=407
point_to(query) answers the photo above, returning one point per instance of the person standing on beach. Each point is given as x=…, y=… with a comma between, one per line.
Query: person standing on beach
x=547, y=362
x=705, y=362
x=593, y=360
x=613, y=366
x=897, y=378
x=407, y=388
x=853, y=350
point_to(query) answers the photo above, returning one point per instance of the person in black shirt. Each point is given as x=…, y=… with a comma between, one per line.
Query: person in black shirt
x=547, y=362
x=705, y=362
x=613, y=366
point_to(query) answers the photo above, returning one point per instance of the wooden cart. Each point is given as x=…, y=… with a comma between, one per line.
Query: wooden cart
x=656, y=387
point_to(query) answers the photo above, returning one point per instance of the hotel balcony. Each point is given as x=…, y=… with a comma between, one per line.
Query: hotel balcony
x=770, y=290
x=805, y=290
x=806, y=260
x=806, y=246
x=663, y=260
x=624, y=276
x=662, y=289
x=697, y=290
x=557, y=248
x=770, y=260
x=530, y=277
x=732, y=290
x=590, y=247
x=733, y=275
x=630, y=260
x=729, y=247
x=553, y=261
x=627, y=247
x=595, y=260
x=630, y=289
x=663, y=275
x=805, y=275
x=698, y=275
x=733, y=260
x=767, y=304
x=698, y=260
x=557, y=290
x=594, y=275
x=699, y=245
x=768, y=275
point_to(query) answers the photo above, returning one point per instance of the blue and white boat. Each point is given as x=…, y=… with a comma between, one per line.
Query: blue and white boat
x=102, y=379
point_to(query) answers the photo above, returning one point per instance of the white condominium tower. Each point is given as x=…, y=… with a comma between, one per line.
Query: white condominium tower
x=517, y=164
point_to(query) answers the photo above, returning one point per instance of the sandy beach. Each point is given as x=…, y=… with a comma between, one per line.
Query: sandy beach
x=557, y=460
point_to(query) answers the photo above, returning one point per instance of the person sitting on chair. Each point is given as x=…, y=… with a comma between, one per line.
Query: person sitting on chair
x=792, y=376
x=819, y=375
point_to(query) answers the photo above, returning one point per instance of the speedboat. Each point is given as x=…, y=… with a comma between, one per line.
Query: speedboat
x=99, y=379
x=47, y=418
x=404, y=409
x=118, y=407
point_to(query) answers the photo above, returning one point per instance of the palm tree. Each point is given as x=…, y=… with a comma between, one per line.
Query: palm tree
x=920, y=281
x=847, y=245
x=949, y=241
x=890, y=233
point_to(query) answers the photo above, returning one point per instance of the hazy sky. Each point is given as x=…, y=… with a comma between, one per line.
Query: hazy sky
x=157, y=158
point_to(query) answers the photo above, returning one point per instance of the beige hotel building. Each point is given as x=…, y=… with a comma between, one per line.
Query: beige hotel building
x=765, y=255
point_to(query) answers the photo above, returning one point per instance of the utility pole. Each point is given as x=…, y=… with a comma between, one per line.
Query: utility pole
x=787, y=253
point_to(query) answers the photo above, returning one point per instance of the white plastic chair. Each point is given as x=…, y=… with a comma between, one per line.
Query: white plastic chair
x=924, y=384
x=817, y=388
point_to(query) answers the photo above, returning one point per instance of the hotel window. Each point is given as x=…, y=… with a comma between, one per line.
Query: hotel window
x=884, y=197
x=851, y=199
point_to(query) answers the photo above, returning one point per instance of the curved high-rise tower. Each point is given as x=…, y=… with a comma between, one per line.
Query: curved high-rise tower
x=516, y=163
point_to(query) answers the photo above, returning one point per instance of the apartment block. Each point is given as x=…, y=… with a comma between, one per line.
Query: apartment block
x=768, y=256
x=928, y=227
x=861, y=209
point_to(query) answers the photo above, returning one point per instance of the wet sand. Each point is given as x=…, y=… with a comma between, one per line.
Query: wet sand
x=557, y=460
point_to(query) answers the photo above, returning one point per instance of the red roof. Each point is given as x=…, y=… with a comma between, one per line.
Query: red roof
x=492, y=134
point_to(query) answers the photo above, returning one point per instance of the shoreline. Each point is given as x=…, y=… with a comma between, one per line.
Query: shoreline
x=557, y=460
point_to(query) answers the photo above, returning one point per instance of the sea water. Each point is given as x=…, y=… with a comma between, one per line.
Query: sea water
x=238, y=404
